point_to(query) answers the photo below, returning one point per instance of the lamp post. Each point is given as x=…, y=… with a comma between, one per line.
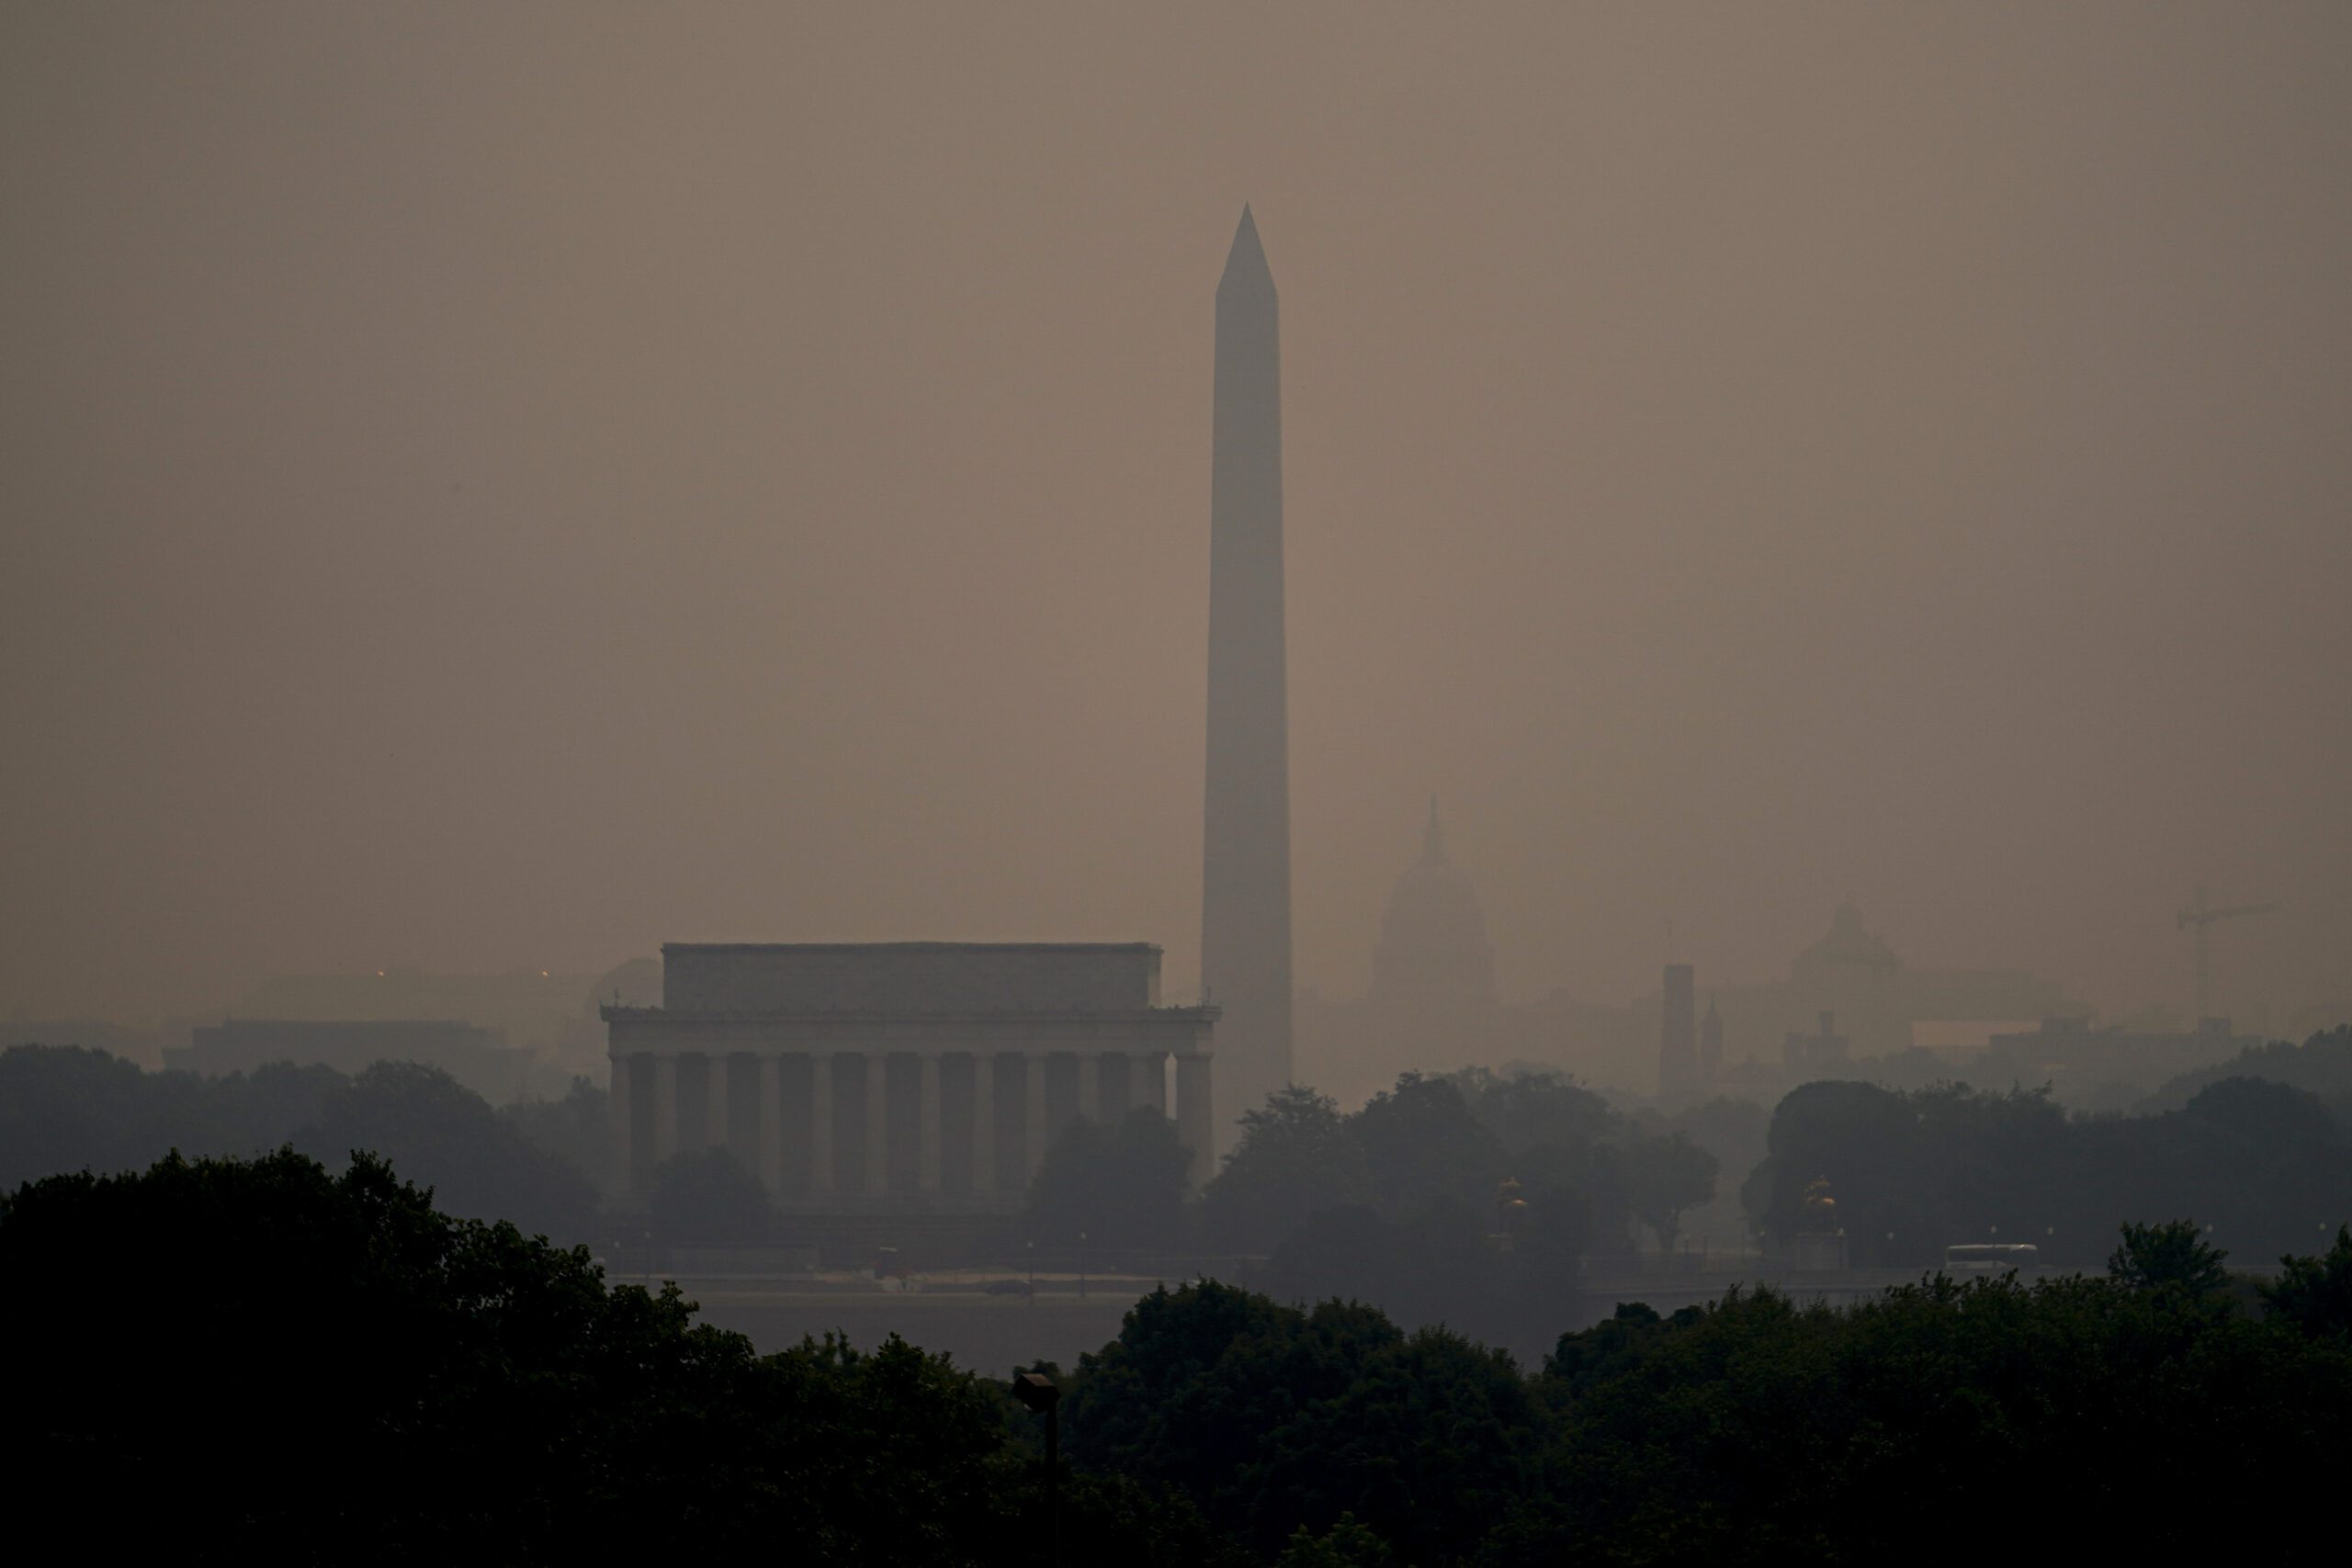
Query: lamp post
x=1036, y=1392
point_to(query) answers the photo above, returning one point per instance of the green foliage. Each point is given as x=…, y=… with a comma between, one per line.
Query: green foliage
x=577, y=1129
x=1435, y=1265
x=1295, y=1159
x=1421, y=1143
x=1662, y=1177
x=1120, y=1186
x=2314, y=1294
x=2322, y=1064
x=266, y=1360
x=443, y=1133
x=2172, y=1256
x=63, y=1108
x=1761, y=1431
x=1273, y=1420
x=1527, y=1112
x=1347, y=1544
x=1915, y=1172
x=703, y=1197
x=1403, y=1203
x=2259, y=1109
x=1732, y=1129
x=1433, y=1144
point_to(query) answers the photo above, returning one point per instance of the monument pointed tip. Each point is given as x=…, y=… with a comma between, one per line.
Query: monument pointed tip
x=1248, y=257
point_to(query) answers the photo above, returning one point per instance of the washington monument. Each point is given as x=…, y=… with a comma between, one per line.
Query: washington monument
x=1245, y=884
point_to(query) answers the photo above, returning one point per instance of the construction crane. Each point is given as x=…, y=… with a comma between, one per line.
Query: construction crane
x=2203, y=916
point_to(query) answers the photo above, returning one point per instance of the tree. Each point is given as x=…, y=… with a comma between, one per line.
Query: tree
x=475, y=1162
x=1730, y=1128
x=1664, y=1177
x=1532, y=1111
x=2171, y=1256
x=2314, y=1294
x=705, y=1197
x=1347, y=1544
x=65, y=1108
x=2270, y=1113
x=1273, y=1419
x=2322, y=1064
x=1120, y=1186
x=1295, y=1158
x=279, y=1363
x=1761, y=1430
x=577, y=1129
x=1421, y=1142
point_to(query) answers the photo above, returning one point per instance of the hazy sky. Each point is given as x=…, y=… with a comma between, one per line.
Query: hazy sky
x=505, y=486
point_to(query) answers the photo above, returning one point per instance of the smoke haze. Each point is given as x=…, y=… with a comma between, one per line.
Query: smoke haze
x=506, y=487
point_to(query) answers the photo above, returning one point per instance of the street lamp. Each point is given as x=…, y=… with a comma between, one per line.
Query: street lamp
x=1037, y=1394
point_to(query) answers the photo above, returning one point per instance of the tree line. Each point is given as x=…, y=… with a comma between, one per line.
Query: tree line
x=1465, y=1198
x=269, y=1360
x=2267, y=1165
x=539, y=1163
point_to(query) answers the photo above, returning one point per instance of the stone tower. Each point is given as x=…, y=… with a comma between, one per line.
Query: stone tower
x=1245, y=892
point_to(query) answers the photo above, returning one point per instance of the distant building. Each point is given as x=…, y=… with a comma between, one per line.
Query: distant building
x=2078, y=1060
x=1431, y=1006
x=477, y=1057
x=1883, y=1005
x=1823, y=1050
x=1678, y=1041
x=548, y=1015
x=916, y=1075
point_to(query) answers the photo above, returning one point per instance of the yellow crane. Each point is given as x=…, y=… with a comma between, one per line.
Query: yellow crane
x=2201, y=915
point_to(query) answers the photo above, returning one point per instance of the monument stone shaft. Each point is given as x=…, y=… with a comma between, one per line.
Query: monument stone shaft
x=1245, y=899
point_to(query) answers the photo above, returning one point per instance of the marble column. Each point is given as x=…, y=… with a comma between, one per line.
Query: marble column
x=624, y=1127
x=714, y=1103
x=1116, y=1095
x=877, y=1123
x=665, y=1107
x=771, y=1122
x=1195, y=1121
x=983, y=1121
x=927, y=1127
x=820, y=1121
x=1033, y=1131
x=1153, y=1065
x=1090, y=1086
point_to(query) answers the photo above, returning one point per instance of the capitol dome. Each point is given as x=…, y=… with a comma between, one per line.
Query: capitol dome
x=1847, y=945
x=1433, y=950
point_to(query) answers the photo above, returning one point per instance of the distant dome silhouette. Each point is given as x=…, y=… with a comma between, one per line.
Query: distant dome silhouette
x=1848, y=944
x=1433, y=947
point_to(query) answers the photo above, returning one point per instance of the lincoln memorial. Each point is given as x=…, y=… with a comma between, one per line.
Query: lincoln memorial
x=900, y=1075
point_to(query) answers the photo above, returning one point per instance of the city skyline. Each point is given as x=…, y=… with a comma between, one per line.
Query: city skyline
x=787, y=501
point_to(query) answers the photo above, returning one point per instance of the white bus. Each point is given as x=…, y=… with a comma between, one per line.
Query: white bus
x=1976, y=1258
